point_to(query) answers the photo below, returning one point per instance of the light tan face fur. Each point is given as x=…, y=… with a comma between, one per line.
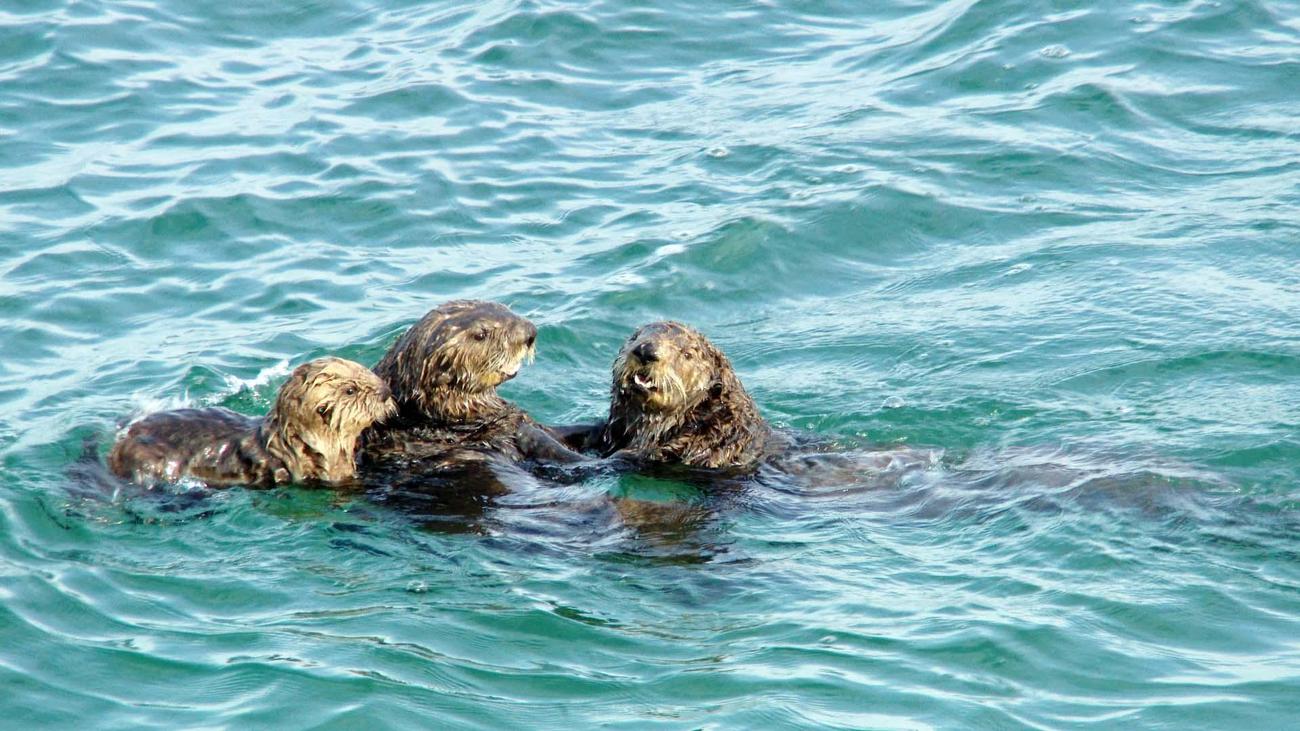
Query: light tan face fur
x=479, y=354
x=665, y=366
x=451, y=361
x=329, y=401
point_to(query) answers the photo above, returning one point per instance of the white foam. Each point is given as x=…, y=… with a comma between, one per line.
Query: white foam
x=264, y=377
x=144, y=405
x=189, y=483
x=627, y=279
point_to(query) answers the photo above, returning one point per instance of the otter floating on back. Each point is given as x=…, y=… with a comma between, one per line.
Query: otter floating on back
x=310, y=434
x=444, y=372
x=676, y=399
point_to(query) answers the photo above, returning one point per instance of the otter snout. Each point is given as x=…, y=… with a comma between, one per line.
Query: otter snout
x=646, y=352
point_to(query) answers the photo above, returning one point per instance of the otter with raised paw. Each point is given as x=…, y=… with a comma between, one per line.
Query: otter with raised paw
x=676, y=399
x=444, y=372
x=309, y=436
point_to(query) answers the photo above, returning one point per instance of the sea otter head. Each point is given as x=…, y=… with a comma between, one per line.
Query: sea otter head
x=319, y=413
x=669, y=367
x=676, y=399
x=448, y=365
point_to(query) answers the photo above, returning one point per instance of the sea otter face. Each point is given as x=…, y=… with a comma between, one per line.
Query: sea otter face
x=483, y=345
x=464, y=346
x=318, y=415
x=666, y=366
x=333, y=398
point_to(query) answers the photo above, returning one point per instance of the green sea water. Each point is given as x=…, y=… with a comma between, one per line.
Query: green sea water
x=1051, y=246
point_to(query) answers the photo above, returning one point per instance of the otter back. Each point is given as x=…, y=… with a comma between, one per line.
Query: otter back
x=216, y=446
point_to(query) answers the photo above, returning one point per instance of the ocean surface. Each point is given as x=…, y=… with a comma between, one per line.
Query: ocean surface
x=1033, y=267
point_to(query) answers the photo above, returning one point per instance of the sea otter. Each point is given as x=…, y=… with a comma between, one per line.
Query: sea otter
x=444, y=372
x=675, y=399
x=678, y=410
x=310, y=434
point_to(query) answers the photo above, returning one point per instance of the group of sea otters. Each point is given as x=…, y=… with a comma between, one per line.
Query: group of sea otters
x=674, y=400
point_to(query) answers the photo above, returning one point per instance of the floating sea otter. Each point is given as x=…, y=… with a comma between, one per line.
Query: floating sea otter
x=676, y=399
x=310, y=434
x=444, y=373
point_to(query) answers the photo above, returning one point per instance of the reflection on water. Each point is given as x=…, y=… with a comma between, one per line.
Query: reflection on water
x=667, y=511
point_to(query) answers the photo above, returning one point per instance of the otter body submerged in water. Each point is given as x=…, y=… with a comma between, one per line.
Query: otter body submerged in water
x=675, y=399
x=310, y=434
x=444, y=372
x=676, y=402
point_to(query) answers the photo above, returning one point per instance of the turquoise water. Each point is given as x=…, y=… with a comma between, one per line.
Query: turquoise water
x=1054, y=242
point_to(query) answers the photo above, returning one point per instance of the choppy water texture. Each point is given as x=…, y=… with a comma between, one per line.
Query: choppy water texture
x=1055, y=241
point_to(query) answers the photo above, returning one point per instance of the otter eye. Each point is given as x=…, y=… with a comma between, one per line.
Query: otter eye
x=351, y=390
x=687, y=354
x=480, y=335
x=322, y=409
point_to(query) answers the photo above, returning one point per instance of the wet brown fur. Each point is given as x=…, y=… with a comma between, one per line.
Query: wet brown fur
x=309, y=435
x=444, y=372
x=676, y=399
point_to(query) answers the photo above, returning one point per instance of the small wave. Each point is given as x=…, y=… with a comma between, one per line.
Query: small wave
x=143, y=405
x=265, y=376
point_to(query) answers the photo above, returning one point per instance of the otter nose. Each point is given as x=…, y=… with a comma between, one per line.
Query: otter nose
x=530, y=335
x=646, y=352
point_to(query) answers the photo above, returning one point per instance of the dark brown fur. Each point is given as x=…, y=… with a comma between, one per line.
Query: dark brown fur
x=444, y=372
x=676, y=399
x=310, y=434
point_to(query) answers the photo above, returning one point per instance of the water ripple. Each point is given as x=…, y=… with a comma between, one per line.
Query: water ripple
x=1030, y=268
